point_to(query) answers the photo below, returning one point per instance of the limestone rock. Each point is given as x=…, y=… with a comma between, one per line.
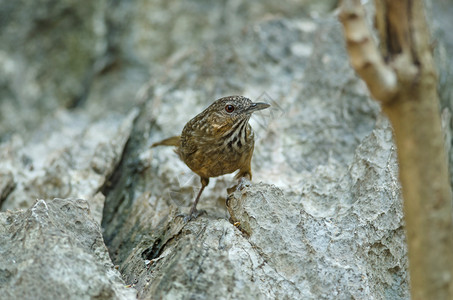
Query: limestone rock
x=86, y=87
x=55, y=250
x=69, y=156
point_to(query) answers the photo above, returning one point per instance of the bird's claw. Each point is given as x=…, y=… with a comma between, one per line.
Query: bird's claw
x=243, y=183
x=192, y=215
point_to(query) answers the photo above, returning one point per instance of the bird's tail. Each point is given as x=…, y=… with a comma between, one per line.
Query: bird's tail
x=172, y=141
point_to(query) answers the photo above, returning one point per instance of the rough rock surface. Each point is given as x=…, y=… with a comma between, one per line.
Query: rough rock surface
x=70, y=156
x=346, y=245
x=61, y=242
x=86, y=87
x=330, y=226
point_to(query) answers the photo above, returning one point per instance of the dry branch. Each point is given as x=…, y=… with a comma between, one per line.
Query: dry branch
x=364, y=54
x=401, y=75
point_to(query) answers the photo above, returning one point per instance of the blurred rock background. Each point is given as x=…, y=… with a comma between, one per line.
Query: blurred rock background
x=87, y=86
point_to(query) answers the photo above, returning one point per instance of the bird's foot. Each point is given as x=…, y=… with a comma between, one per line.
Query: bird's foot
x=242, y=183
x=192, y=215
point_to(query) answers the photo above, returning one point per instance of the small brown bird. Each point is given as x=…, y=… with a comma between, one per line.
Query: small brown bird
x=218, y=141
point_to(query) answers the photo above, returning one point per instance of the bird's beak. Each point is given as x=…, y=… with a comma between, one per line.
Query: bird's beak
x=257, y=106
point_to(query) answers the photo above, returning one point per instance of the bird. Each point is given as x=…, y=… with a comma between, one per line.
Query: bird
x=218, y=141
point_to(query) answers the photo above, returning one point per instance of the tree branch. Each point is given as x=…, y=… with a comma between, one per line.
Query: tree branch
x=403, y=77
x=364, y=54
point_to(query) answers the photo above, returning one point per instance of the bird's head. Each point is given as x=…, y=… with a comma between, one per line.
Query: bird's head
x=227, y=111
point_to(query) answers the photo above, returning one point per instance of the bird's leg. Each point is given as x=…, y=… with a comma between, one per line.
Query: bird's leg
x=244, y=180
x=193, y=211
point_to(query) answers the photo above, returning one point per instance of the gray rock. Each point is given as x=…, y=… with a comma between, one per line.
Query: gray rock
x=55, y=250
x=48, y=50
x=86, y=87
x=332, y=237
x=7, y=185
x=331, y=226
x=71, y=155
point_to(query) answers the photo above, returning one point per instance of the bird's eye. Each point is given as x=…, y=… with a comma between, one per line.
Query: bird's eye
x=229, y=108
